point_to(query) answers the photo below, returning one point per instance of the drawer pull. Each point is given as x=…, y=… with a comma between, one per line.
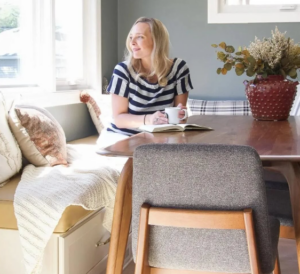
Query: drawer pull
x=102, y=243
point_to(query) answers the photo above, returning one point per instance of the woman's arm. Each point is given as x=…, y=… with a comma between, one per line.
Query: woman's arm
x=181, y=99
x=122, y=119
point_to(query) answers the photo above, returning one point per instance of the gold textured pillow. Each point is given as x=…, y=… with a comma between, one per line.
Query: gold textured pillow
x=41, y=138
x=10, y=154
x=93, y=108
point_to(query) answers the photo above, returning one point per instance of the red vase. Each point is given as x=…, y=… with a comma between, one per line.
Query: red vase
x=271, y=98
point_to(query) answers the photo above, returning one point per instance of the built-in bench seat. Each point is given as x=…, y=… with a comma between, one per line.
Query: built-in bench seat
x=76, y=245
x=72, y=214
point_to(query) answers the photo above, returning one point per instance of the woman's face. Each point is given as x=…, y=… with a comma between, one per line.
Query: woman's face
x=141, y=42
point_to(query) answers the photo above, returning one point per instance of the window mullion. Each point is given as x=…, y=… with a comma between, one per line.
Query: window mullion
x=92, y=45
x=46, y=44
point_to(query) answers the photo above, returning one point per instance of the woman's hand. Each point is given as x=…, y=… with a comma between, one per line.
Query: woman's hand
x=157, y=118
x=182, y=113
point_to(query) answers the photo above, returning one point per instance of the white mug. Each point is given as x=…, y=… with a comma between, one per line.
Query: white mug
x=172, y=114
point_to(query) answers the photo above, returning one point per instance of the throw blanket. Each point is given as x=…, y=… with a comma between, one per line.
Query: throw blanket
x=44, y=192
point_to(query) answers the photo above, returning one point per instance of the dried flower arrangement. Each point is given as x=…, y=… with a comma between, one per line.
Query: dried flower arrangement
x=277, y=55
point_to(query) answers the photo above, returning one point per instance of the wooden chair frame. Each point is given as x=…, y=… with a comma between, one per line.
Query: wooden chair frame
x=194, y=219
x=287, y=232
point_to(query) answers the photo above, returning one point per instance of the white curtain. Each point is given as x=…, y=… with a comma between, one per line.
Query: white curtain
x=295, y=111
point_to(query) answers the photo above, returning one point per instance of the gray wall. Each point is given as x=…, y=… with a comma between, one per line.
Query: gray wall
x=109, y=33
x=75, y=120
x=191, y=38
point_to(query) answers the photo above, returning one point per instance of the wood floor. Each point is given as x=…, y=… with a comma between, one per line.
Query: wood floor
x=287, y=256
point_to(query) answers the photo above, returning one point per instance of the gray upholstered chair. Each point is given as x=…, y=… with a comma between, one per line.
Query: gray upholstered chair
x=203, y=178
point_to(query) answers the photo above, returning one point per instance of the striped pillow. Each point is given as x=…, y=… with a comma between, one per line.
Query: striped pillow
x=204, y=107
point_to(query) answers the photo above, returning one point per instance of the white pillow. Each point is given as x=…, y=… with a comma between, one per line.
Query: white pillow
x=10, y=153
x=40, y=136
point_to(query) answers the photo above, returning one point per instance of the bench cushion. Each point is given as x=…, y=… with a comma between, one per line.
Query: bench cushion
x=204, y=107
x=71, y=216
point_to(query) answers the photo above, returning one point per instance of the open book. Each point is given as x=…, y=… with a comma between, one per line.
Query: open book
x=171, y=127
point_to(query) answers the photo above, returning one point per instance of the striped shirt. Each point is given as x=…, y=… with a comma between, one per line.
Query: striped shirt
x=144, y=97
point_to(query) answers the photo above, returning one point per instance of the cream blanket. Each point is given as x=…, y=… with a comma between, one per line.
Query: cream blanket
x=44, y=192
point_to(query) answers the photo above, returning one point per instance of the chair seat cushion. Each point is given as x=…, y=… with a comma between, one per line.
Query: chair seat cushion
x=164, y=254
x=71, y=215
x=279, y=205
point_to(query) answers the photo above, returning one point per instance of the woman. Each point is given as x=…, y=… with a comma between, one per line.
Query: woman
x=147, y=82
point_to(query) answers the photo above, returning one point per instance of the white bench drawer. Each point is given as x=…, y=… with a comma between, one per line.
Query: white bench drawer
x=79, y=252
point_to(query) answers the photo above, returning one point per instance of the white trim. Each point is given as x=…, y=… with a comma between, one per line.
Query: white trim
x=217, y=14
x=92, y=38
x=295, y=111
x=46, y=67
x=45, y=99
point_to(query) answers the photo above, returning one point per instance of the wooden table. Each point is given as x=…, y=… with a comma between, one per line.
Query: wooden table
x=277, y=143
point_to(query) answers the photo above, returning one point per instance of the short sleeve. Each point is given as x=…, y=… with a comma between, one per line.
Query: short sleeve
x=183, y=79
x=119, y=83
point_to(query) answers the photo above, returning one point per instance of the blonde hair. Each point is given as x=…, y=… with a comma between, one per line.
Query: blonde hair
x=161, y=63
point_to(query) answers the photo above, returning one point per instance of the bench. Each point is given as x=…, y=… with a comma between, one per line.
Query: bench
x=76, y=244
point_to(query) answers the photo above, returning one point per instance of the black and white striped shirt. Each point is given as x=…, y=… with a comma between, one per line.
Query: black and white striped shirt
x=144, y=97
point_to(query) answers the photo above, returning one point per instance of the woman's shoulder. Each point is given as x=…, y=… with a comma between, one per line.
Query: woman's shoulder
x=122, y=65
x=178, y=61
x=179, y=65
x=122, y=69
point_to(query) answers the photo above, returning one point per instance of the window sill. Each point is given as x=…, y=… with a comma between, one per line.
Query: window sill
x=45, y=99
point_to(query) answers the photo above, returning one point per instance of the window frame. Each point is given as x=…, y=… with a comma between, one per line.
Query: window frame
x=217, y=14
x=56, y=91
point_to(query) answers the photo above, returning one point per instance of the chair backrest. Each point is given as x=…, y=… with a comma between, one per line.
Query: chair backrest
x=207, y=177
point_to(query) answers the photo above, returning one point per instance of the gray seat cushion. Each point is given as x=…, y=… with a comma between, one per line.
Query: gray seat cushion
x=277, y=185
x=279, y=205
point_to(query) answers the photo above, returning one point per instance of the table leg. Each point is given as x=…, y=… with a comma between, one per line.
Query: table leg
x=121, y=221
x=291, y=171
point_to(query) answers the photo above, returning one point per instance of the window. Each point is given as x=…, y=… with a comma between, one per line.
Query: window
x=50, y=45
x=253, y=11
x=13, y=67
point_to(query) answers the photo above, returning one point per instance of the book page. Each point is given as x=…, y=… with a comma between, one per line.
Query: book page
x=172, y=127
x=193, y=126
x=158, y=128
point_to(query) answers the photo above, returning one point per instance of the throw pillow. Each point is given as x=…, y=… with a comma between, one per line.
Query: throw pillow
x=229, y=107
x=93, y=108
x=10, y=154
x=40, y=136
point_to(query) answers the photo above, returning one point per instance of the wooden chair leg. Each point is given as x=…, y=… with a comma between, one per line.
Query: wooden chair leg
x=277, y=269
x=291, y=171
x=121, y=221
x=142, y=265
